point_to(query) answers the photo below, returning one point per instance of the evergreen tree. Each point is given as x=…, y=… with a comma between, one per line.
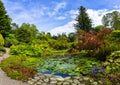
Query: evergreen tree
x=83, y=20
x=5, y=21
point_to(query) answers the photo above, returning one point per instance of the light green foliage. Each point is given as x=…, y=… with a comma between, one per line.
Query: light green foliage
x=44, y=36
x=4, y=21
x=11, y=40
x=30, y=50
x=1, y=40
x=115, y=36
x=112, y=19
x=113, y=62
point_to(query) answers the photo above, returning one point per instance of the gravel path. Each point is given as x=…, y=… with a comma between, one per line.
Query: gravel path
x=4, y=80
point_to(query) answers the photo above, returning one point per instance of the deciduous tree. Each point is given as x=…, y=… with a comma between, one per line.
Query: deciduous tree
x=112, y=19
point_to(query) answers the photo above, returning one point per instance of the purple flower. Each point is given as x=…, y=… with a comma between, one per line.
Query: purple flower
x=95, y=71
x=102, y=68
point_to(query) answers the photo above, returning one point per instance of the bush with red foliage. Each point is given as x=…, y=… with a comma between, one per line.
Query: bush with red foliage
x=19, y=72
x=88, y=42
x=104, y=33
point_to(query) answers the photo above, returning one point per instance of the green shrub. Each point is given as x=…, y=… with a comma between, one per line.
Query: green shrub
x=2, y=49
x=11, y=40
x=113, y=62
x=112, y=68
x=59, y=44
x=115, y=36
x=103, y=51
x=1, y=40
x=30, y=50
x=19, y=67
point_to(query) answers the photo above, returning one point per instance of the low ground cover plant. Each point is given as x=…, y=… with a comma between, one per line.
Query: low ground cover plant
x=19, y=67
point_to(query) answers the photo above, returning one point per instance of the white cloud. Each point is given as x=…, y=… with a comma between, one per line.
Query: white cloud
x=56, y=9
x=73, y=13
x=60, y=18
x=96, y=15
x=67, y=28
x=59, y=6
x=117, y=6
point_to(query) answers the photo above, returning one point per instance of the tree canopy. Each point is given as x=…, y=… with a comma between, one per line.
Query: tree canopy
x=112, y=19
x=26, y=32
x=5, y=21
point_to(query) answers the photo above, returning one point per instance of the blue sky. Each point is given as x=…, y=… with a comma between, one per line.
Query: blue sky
x=57, y=16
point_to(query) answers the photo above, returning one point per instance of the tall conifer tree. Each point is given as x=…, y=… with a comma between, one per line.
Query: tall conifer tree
x=83, y=20
x=5, y=21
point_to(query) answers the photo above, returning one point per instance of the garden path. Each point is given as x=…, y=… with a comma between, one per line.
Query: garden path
x=4, y=80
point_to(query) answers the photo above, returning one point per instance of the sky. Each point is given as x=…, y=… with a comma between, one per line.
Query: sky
x=57, y=16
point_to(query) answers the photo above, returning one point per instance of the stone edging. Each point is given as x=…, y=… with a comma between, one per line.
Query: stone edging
x=48, y=79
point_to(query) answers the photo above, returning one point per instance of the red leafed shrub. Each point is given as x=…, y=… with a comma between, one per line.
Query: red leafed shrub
x=88, y=42
x=19, y=72
x=104, y=33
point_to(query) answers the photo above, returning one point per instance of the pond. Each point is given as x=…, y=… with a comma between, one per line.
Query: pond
x=64, y=65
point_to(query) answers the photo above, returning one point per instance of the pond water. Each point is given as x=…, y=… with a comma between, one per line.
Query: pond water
x=56, y=73
x=60, y=66
x=66, y=65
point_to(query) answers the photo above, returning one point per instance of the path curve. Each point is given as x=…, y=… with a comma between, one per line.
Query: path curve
x=4, y=79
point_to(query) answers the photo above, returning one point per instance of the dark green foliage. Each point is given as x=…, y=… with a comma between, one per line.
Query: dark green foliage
x=71, y=37
x=26, y=33
x=5, y=21
x=104, y=51
x=83, y=20
x=14, y=28
x=60, y=43
x=2, y=49
x=99, y=28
